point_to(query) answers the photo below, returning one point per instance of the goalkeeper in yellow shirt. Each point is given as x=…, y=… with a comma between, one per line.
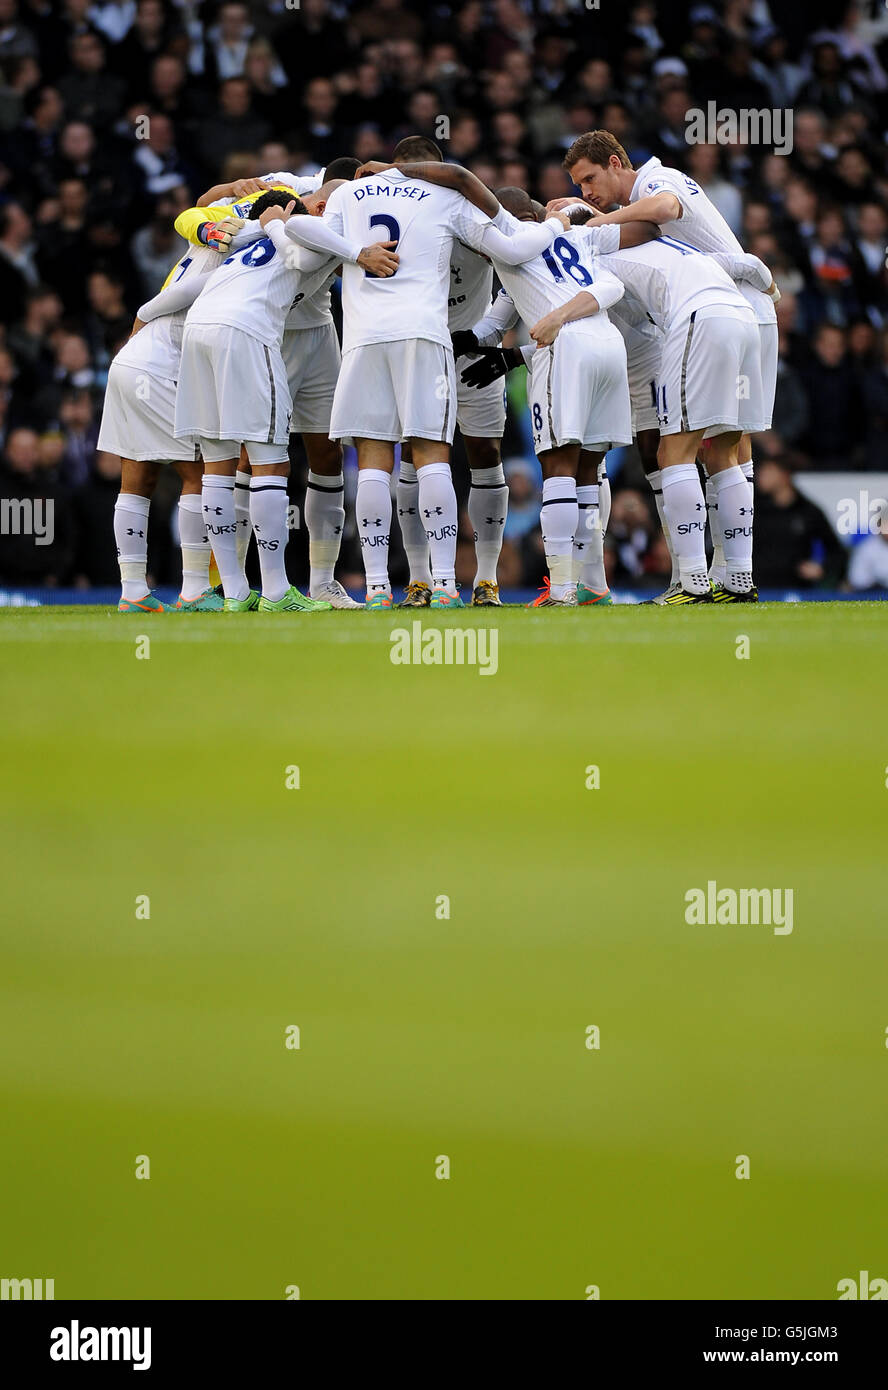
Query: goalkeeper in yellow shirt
x=312, y=356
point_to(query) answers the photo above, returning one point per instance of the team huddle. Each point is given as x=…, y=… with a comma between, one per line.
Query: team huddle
x=647, y=323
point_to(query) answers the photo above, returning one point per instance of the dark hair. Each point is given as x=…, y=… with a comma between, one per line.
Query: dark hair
x=342, y=168
x=598, y=146
x=416, y=149
x=275, y=198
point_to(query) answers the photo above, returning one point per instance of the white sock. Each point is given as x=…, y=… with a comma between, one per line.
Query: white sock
x=587, y=498
x=242, y=514
x=373, y=509
x=559, y=517
x=131, y=536
x=488, y=510
x=656, y=484
x=413, y=533
x=588, y=549
x=733, y=493
x=217, y=499
x=437, y=510
x=685, y=509
x=196, y=548
x=325, y=519
x=268, y=515
x=716, y=531
x=604, y=497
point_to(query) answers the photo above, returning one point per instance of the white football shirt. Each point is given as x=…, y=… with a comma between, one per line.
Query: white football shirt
x=157, y=348
x=255, y=289
x=700, y=225
x=558, y=274
x=424, y=219
x=471, y=287
x=672, y=280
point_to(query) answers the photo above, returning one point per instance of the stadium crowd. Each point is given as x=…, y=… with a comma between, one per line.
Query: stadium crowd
x=89, y=190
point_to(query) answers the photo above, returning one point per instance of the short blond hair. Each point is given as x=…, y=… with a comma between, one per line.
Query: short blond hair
x=597, y=146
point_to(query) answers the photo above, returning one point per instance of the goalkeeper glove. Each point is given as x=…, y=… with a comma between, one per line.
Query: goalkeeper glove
x=492, y=364
x=217, y=235
x=464, y=341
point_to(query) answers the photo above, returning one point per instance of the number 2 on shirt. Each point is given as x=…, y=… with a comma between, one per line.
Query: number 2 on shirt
x=381, y=219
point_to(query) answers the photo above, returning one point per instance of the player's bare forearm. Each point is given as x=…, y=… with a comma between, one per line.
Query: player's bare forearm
x=637, y=233
x=239, y=189
x=212, y=195
x=455, y=177
x=582, y=306
x=659, y=208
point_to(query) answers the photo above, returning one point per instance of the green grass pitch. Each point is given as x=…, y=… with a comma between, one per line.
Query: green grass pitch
x=422, y=1035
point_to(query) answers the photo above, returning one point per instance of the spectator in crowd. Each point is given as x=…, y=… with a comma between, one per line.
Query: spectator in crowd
x=795, y=546
x=233, y=126
x=149, y=38
x=156, y=156
x=834, y=401
x=95, y=555
x=157, y=246
x=47, y=520
x=78, y=434
x=630, y=534
x=29, y=339
x=88, y=91
x=869, y=560
x=524, y=498
x=704, y=166
x=18, y=268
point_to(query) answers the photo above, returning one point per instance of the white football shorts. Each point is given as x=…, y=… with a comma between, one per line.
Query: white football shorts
x=481, y=414
x=313, y=360
x=711, y=377
x=395, y=391
x=231, y=386
x=138, y=418
x=644, y=373
x=578, y=392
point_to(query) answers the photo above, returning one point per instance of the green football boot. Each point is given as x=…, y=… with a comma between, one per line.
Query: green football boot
x=294, y=602
x=243, y=605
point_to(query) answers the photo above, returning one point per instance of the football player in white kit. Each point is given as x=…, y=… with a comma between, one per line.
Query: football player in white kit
x=312, y=358
x=601, y=167
x=593, y=489
x=233, y=385
x=481, y=418
x=710, y=383
x=138, y=419
x=398, y=379
x=578, y=391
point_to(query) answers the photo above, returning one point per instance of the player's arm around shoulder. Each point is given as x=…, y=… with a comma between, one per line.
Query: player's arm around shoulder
x=525, y=242
x=660, y=207
x=452, y=176
x=608, y=291
x=280, y=226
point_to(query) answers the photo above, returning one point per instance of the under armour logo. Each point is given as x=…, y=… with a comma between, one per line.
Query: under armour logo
x=367, y=522
x=746, y=511
x=337, y=530
x=215, y=511
x=495, y=520
x=407, y=511
x=131, y=532
x=436, y=511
